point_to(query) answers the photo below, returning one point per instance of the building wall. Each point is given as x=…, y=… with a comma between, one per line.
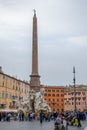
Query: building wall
x=81, y=98
x=55, y=97
x=12, y=91
x=59, y=98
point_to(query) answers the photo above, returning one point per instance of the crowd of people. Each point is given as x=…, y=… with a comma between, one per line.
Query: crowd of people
x=69, y=118
x=60, y=118
x=6, y=116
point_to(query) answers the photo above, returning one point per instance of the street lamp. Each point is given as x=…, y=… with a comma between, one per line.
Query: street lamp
x=74, y=81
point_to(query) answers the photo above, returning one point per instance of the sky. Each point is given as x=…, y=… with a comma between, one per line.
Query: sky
x=62, y=39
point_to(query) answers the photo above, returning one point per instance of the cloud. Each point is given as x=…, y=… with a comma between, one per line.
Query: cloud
x=62, y=37
x=80, y=41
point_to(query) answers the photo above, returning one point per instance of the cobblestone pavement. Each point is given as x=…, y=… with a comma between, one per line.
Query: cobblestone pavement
x=35, y=125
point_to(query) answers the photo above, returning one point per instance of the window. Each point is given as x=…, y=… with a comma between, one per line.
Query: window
x=83, y=93
x=65, y=98
x=49, y=94
x=45, y=94
x=3, y=84
x=6, y=95
x=57, y=90
x=72, y=93
x=2, y=105
x=53, y=99
x=3, y=95
x=84, y=98
x=79, y=93
x=53, y=94
x=49, y=90
x=72, y=98
x=79, y=98
x=53, y=90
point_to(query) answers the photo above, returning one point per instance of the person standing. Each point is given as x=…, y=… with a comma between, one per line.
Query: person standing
x=78, y=117
x=41, y=117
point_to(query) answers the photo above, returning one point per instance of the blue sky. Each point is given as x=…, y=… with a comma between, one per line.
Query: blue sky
x=62, y=39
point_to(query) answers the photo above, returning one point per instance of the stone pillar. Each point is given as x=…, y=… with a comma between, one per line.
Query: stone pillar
x=34, y=77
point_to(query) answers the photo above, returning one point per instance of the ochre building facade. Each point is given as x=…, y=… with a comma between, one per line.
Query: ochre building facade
x=12, y=91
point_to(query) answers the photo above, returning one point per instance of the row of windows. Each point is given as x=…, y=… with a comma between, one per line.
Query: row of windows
x=11, y=80
x=55, y=100
x=53, y=95
x=8, y=95
x=77, y=93
x=58, y=105
x=77, y=103
x=54, y=90
x=17, y=88
x=77, y=98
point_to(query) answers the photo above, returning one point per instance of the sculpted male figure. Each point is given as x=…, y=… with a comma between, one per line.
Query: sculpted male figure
x=40, y=103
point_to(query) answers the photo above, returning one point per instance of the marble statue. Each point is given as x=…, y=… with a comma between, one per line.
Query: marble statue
x=34, y=102
x=40, y=103
x=27, y=104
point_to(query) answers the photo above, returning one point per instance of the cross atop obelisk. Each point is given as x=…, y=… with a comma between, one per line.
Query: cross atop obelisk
x=34, y=77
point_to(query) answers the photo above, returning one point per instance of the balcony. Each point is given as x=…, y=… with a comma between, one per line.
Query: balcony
x=3, y=106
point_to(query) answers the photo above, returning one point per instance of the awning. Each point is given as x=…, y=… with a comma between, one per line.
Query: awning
x=6, y=110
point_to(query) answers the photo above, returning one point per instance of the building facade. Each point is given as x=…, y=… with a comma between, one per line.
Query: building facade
x=54, y=95
x=59, y=98
x=80, y=97
x=12, y=91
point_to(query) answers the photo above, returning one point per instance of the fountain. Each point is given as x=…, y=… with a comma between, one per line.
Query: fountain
x=34, y=102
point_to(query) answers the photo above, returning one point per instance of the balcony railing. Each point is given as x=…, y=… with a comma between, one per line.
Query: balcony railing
x=3, y=106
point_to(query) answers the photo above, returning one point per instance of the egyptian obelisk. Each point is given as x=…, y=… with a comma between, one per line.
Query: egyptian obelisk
x=34, y=77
